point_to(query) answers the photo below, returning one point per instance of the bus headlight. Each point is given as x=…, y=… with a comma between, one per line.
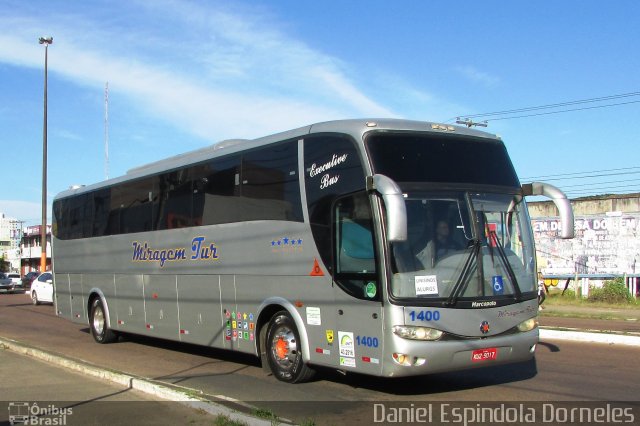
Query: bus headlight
x=417, y=333
x=528, y=325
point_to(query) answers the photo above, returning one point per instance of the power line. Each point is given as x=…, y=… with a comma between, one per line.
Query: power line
x=588, y=183
x=556, y=105
x=591, y=176
x=597, y=187
x=603, y=193
x=561, y=111
x=617, y=188
x=509, y=113
x=582, y=173
x=600, y=183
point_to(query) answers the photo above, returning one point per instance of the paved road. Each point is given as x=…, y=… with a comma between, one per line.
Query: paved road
x=563, y=371
x=75, y=399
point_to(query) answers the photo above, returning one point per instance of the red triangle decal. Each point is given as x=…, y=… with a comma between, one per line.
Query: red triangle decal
x=316, y=271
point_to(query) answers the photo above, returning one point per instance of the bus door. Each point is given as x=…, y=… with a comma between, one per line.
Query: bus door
x=356, y=286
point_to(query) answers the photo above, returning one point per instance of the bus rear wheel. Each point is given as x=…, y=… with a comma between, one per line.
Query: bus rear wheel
x=284, y=352
x=98, y=323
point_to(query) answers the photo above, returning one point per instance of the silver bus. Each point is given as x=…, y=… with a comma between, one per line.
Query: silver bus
x=383, y=247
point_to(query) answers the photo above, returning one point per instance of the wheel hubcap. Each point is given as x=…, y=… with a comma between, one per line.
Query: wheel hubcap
x=284, y=347
x=98, y=320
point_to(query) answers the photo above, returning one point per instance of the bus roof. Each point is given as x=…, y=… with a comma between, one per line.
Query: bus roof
x=354, y=127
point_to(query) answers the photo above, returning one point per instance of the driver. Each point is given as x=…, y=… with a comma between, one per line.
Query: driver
x=441, y=245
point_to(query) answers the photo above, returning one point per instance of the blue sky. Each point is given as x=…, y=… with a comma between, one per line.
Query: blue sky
x=186, y=74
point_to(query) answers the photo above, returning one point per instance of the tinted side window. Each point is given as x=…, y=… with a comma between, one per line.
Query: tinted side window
x=332, y=168
x=270, y=189
x=172, y=200
x=218, y=192
x=260, y=185
x=69, y=219
x=131, y=207
x=101, y=208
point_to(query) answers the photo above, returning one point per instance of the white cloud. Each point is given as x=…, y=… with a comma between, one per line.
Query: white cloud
x=214, y=74
x=478, y=76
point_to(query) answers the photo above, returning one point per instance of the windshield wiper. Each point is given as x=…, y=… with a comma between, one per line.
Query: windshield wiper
x=463, y=278
x=503, y=257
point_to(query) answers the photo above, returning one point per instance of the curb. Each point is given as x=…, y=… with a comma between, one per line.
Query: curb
x=588, y=337
x=178, y=394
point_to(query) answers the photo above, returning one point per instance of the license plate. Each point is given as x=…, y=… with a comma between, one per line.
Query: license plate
x=484, y=354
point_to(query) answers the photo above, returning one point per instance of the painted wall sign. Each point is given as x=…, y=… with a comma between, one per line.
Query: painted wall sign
x=603, y=244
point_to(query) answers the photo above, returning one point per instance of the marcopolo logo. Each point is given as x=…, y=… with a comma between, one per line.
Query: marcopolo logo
x=484, y=304
x=27, y=413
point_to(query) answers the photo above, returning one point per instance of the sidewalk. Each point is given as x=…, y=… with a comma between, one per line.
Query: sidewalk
x=591, y=324
x=55, y=395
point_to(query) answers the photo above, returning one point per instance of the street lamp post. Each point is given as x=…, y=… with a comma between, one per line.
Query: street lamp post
x=43, y=231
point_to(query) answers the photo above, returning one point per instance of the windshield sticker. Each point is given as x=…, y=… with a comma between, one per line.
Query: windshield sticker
x=498, y=285
x=200, y=250
x=328, y=179
x=426, y=285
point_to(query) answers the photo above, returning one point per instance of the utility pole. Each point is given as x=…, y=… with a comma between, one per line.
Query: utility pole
x=43, y=231
x=106, y=130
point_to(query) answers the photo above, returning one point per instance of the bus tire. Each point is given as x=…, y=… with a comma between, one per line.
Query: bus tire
x=283, y=349
x=98, y=323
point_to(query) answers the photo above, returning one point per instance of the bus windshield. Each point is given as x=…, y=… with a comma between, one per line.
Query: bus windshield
x=464, y=245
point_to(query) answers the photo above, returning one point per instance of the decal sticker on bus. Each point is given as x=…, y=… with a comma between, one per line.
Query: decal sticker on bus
x=200, y=250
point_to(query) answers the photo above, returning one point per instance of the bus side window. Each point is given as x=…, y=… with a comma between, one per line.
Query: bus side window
x=354, y=245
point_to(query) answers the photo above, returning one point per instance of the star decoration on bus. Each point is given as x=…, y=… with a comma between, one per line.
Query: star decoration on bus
x=287, y=245
x=286, y=242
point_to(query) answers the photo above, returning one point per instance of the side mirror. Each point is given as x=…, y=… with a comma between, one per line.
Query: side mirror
x=559, y=199
x=394, y=205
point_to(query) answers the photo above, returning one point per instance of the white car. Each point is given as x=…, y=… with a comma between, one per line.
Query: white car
x=42, y=289
x=15, y=278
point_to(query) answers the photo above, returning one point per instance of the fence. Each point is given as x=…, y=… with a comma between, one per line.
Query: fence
x=582, y=282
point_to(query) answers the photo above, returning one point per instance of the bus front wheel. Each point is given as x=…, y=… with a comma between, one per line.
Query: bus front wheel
x=284, y=351
x=98, y=323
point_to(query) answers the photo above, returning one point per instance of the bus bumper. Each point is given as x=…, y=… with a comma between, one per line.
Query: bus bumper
x=412, y=357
